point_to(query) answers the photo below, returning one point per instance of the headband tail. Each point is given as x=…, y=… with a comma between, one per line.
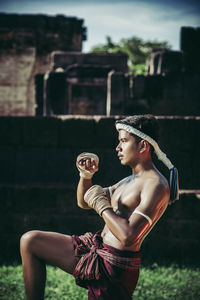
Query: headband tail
x=174, y=185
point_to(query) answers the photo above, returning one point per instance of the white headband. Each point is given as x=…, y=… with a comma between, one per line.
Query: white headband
x=161, y=155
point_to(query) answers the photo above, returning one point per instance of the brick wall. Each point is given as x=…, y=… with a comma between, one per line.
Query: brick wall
x=38, y=179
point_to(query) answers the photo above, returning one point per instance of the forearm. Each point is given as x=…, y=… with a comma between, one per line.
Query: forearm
x=83, y=186
x=117, y=225
x=126, y=231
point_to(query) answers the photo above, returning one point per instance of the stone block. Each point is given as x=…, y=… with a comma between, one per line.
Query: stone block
x=60, y=165
x=190, y=39
x=118, y=61
x=106, y=135
x=164, y=61
x=173, y=87
x=30, y=166
x=186, y=208
x=8, y=164
x=191, y=84
x=77, y=132
x=153, y=87
x=38, y=199
x=39, y=131
x=139, y=86
x=171, y=129
x=10, y=131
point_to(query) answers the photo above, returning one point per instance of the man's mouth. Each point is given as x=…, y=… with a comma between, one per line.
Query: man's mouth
x=120, y=156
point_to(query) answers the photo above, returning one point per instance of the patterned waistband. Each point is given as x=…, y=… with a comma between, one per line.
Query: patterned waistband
x=91, y=248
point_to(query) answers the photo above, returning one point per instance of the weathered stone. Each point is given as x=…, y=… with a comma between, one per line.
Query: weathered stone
x=164, y=62
x=10, y=131
x=8, y=164
x=26, y=44
x=46, y=33
x=190, y=39
x=105, y=133
x=118, y=61
x=76, y=132
x=40, y=131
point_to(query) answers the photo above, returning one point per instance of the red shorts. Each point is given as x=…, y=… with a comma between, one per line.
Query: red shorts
x=114, y=282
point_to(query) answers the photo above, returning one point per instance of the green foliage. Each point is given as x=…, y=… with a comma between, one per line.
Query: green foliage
x=136, y=48
x=155, y=283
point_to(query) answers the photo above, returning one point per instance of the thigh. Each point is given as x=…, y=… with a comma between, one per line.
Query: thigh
x=55, y=248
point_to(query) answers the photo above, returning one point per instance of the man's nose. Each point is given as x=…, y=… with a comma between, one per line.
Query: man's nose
x=118, y=147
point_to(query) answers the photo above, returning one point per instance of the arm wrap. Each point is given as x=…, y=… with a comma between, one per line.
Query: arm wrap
x=96, y=199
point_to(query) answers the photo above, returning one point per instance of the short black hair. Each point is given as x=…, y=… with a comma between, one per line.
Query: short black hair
x=148, y=124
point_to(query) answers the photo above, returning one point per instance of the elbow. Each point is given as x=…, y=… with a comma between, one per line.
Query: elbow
x=80, y=205
x=83, y=205
x=127, y=240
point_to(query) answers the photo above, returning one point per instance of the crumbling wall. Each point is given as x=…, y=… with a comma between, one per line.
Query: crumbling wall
x=26, y=42
x=17, y=88
x=172, y=84
x=170, y=94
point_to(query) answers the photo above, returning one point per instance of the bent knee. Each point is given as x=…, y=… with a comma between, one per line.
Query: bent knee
x=28, y=239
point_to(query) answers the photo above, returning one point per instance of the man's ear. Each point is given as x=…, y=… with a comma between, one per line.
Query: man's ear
x=144, y=146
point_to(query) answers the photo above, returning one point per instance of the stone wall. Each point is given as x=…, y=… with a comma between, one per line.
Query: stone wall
x=171, y=86
x=26, y=42
x=170, y=94
x=39, y=179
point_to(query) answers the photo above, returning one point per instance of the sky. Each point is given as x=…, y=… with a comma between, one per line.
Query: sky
x=159, y=20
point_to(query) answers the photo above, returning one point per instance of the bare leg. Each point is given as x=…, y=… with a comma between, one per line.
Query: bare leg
x=38, y=248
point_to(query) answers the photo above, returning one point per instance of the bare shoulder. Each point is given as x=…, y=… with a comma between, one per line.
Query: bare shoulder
x=155, y=189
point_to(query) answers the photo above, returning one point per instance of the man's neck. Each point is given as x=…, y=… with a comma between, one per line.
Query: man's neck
x=142, y=167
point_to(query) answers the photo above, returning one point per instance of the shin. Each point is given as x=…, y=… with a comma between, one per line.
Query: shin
x=34, y=268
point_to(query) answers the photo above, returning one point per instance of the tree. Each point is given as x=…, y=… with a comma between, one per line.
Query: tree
x=136, y=48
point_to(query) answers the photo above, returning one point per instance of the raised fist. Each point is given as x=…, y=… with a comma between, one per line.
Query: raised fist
x=87, y=164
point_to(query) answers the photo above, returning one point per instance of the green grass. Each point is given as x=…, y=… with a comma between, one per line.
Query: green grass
x=156, y=282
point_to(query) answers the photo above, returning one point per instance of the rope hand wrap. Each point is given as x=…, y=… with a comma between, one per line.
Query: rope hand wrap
x=95, y=198
x=83, y=172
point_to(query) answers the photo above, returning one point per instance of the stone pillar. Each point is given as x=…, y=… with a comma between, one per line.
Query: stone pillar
x=190, y=46
x=117, y=89
x=16, y=91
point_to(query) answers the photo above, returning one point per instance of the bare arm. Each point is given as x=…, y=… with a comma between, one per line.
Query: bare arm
x=83, y=186
x=127, y=231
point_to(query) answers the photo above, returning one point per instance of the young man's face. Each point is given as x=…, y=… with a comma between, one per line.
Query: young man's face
x=128, y=150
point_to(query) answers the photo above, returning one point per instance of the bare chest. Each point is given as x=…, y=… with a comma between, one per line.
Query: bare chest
x=126, y=198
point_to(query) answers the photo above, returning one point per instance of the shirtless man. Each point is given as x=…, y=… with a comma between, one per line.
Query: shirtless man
x=107, y=263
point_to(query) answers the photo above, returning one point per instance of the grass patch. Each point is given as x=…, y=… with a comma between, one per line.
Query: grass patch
x=156, y=282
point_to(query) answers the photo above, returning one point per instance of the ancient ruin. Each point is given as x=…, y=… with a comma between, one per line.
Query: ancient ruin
x=26, y=42
x=44, y=72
